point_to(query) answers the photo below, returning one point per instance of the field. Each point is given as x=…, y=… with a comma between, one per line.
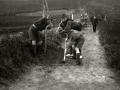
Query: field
x=10, y=24
x=19, y=6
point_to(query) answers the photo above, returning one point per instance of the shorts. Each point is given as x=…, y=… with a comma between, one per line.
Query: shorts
x=78, y=42
x=33, y=34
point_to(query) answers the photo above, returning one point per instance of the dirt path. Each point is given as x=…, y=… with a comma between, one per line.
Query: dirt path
x=93, y=75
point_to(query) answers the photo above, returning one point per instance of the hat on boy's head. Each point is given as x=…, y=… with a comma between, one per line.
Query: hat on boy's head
x=63, y=15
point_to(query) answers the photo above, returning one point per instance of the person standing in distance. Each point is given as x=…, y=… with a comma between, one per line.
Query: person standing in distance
x=94, y=21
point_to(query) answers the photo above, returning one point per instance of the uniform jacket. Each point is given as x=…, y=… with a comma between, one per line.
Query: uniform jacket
x=94, y=20
x=70, y=24
x=41, y=24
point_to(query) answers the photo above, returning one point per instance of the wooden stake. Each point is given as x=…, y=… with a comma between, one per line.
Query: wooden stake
x=43, y=8
x=47, y=6
x=72, y=17
x=46, y=28
x=65, y=50
x=45, y=32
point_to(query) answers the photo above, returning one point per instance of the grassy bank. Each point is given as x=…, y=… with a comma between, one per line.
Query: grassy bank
x=110, y=40
x=16, y=57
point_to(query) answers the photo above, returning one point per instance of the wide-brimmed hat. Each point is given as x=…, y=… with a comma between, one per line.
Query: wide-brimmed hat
x=63, y=15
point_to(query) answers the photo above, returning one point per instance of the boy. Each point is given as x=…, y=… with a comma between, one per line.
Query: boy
x=33, y=32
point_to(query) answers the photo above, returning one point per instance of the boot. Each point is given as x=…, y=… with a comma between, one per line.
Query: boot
x=74, y=54
x=62, y=62
x=79, y=61
x=33, y=51
x=38, y=49
x=80, y=54
x=71, y=50
x=80, y=51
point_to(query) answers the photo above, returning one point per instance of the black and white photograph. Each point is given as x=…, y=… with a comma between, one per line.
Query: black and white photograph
x=59, y=44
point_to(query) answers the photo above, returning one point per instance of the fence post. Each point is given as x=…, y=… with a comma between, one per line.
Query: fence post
x=72, y=17
x=46, y=28
x=43, y=9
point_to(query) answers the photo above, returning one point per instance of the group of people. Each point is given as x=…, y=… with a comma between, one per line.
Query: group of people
x=70, y=28
x=84, y=19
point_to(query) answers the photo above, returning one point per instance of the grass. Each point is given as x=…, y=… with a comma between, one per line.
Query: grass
x=14, y=52
x=110, y=40
x=14, y=21
x=15, y=6
x=13, y=62
x=10, y=24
